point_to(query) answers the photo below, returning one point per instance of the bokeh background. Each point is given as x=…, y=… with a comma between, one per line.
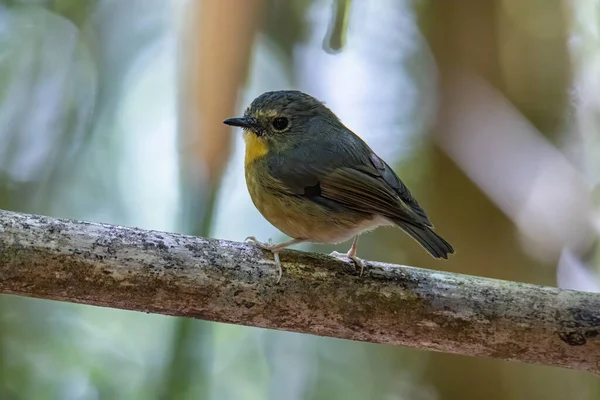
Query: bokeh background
x=111, y=111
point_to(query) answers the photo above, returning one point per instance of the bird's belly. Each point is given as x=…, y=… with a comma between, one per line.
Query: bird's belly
x=301, y=218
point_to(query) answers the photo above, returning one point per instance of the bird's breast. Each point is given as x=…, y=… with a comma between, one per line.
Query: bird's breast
x=299, y=217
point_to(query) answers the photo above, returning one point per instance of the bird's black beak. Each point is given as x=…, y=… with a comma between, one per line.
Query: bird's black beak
x=242, y=122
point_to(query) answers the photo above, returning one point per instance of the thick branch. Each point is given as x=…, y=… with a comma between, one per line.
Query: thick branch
x=230, y=282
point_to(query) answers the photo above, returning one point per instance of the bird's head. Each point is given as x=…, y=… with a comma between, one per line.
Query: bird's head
x=281, y=119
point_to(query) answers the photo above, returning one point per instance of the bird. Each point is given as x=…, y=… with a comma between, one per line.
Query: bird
x=317, y=181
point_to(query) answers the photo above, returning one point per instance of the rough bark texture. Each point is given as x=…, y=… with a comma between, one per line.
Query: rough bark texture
x=231, y=282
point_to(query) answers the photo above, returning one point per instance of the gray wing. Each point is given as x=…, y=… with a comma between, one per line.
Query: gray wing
x=349, y=176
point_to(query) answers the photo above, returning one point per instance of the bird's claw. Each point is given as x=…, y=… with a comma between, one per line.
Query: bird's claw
x=269, y=247
x=278, y=265
x=357, y=261
x=265, y=246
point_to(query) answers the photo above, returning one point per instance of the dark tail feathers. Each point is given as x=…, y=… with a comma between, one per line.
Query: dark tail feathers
x=431, y=241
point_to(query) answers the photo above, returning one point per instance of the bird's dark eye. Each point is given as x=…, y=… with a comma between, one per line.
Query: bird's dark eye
x=280, y=123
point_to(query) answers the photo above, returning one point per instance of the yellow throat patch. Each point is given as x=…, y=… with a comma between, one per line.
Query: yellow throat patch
x=255, y=147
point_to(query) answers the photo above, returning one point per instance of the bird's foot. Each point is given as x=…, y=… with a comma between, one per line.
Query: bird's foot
x=269, y=246
x=262, y=245
x=357, y=261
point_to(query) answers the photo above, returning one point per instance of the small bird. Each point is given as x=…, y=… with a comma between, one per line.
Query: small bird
x=317, y=181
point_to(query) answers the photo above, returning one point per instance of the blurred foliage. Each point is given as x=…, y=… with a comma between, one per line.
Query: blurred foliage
x=79, y=138
x=285, y=25
x=338, y=28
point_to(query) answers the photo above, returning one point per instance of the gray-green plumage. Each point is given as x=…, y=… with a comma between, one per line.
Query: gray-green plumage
x=332, y=177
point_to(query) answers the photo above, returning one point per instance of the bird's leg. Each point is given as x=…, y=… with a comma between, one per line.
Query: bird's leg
x=351, y=254
x=273, y=248
x=270, y=246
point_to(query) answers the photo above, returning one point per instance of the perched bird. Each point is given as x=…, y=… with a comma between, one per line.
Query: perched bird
x=317, y=181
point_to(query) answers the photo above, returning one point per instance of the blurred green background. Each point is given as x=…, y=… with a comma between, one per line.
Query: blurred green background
x=111, y=111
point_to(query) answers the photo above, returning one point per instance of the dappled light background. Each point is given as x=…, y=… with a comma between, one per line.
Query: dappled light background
x=112, y=111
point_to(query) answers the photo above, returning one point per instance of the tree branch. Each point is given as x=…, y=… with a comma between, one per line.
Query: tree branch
x=231, y=282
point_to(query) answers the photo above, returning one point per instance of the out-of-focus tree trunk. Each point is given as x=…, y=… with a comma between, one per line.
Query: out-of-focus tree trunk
x=217, y=55
x=216, y=49
x=216, y=46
